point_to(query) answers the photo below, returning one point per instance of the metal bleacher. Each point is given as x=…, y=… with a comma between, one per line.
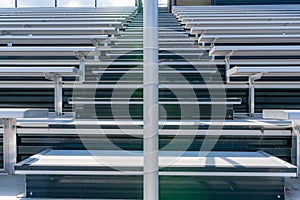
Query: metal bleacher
x=214, y=140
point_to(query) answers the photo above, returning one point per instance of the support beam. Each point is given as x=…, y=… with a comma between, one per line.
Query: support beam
x=151, y=107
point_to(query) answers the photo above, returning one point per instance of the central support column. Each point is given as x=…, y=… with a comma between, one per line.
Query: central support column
x=151, y=107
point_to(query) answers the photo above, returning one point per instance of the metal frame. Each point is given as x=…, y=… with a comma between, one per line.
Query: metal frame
x=51, y=73
x=9, y=117
x=256, y=73
x=294, y=116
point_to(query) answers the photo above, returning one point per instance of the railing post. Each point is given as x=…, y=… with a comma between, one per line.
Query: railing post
x=151, y=108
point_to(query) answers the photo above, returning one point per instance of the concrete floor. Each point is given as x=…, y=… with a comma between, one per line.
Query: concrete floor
x=12, y=188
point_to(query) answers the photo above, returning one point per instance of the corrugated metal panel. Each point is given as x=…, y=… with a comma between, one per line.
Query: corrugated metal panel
x=30, y=144
x=131, y=187
x=253, y=2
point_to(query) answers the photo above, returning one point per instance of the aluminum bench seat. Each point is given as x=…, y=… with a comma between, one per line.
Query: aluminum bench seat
x=61, y=19
x=46, y=51
x=190, y=25
x=234, y=14
x=38, y=71
x=246, y=30
x=241, y=19
x=160, y=40
x=291, y=115
x=264, y=71
x=196, y=63
x=54, y=39
x=271, y=38
x=239, y=123
x=161, y=44
x=58, y=31
x=83, y=162
x=255, y=73
x=89, y=169
x=169, y=49
x=168, y=71
x=255, y=51
x=4, y=25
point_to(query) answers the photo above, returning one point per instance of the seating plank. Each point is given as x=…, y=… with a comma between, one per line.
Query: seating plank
x=58, y=31
x=259, y=38
x=246, y=30
x=96, y=162
x=53, y=39
x=255, y=51
x=264, y=71
x=61, y=24
x=224, y=23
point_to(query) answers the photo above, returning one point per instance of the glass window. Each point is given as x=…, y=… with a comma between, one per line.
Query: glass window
x=35, y=3
x=7, y=3
x=115, y=3
x=76, y=3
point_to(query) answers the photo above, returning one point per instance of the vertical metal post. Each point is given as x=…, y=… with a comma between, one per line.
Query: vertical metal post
x=251, y=102
x=16, y=3
x=58, y=96
x=227, y=67
x=96, y=4
x=151, y=108
x=169, y=6
x=139, y=4
x=10, y=144
x=55, y=3
x=82, y=69
x=298, y=152
x=175, y=2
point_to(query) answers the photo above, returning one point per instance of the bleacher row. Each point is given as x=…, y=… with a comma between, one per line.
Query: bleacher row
x=90, y=143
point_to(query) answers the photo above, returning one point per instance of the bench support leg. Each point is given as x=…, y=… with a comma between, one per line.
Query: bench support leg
x=10, y=144
x=82, y=70
x=227, y=67
x=58, y=96
x=251, y=98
